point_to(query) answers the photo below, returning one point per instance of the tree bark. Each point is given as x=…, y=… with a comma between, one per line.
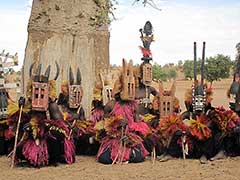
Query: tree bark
x=66, y=32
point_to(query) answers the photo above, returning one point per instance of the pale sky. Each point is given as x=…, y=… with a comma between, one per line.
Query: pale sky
x=176, y=27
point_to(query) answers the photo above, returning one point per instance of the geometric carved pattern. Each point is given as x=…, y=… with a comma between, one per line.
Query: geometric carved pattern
x=166, y=99
x=75, y=96
x=128, y=82
x=40, y=96
x=147, y=74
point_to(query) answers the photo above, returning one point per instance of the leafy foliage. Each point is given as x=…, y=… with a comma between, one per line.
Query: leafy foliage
x=158, y=73
x=163, y=73
x=105, y=10
x=104, y=13
x=188, y=68
x=217, y=67
x=172, y=74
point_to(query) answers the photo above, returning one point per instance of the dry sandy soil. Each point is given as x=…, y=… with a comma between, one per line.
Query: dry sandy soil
x=88, y=168
x=178, y=169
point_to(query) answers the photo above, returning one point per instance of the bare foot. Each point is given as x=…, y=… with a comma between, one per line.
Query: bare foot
x=161, y=156
x=203, y=159
x=166, y=158
x=219, y=155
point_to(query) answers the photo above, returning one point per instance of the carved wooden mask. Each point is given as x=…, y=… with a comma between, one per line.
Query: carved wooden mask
x=75, y=89
x=128, y=82
x=147, y=73
x=75, y=96
x=166, y=100
x=107, y=94
x=40, y=95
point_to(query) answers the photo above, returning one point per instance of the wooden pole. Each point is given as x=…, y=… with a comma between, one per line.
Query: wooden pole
x=184, y=149
x=195, y=62
x=153, y=155
x=74, y=123
x=203, y=61
x=16, y=137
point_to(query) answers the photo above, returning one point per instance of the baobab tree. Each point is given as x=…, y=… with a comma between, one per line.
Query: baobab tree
x=72, y=33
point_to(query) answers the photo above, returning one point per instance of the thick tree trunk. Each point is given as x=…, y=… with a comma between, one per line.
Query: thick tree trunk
x=66, y=32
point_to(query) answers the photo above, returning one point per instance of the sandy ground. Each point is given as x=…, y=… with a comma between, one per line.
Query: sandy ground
x=178, y=169
x=88, y=168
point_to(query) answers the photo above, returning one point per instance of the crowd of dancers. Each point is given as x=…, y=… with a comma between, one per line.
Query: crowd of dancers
x=128, y=122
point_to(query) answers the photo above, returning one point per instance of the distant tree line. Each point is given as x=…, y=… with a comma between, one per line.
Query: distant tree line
x=164, y=73
x=215, y=69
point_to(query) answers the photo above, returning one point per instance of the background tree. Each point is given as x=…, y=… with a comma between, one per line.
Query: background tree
x=158, y=73
x=217, y=67
x=164, y=73
x=235, y=63
x=172, y=74
x=188, y=68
